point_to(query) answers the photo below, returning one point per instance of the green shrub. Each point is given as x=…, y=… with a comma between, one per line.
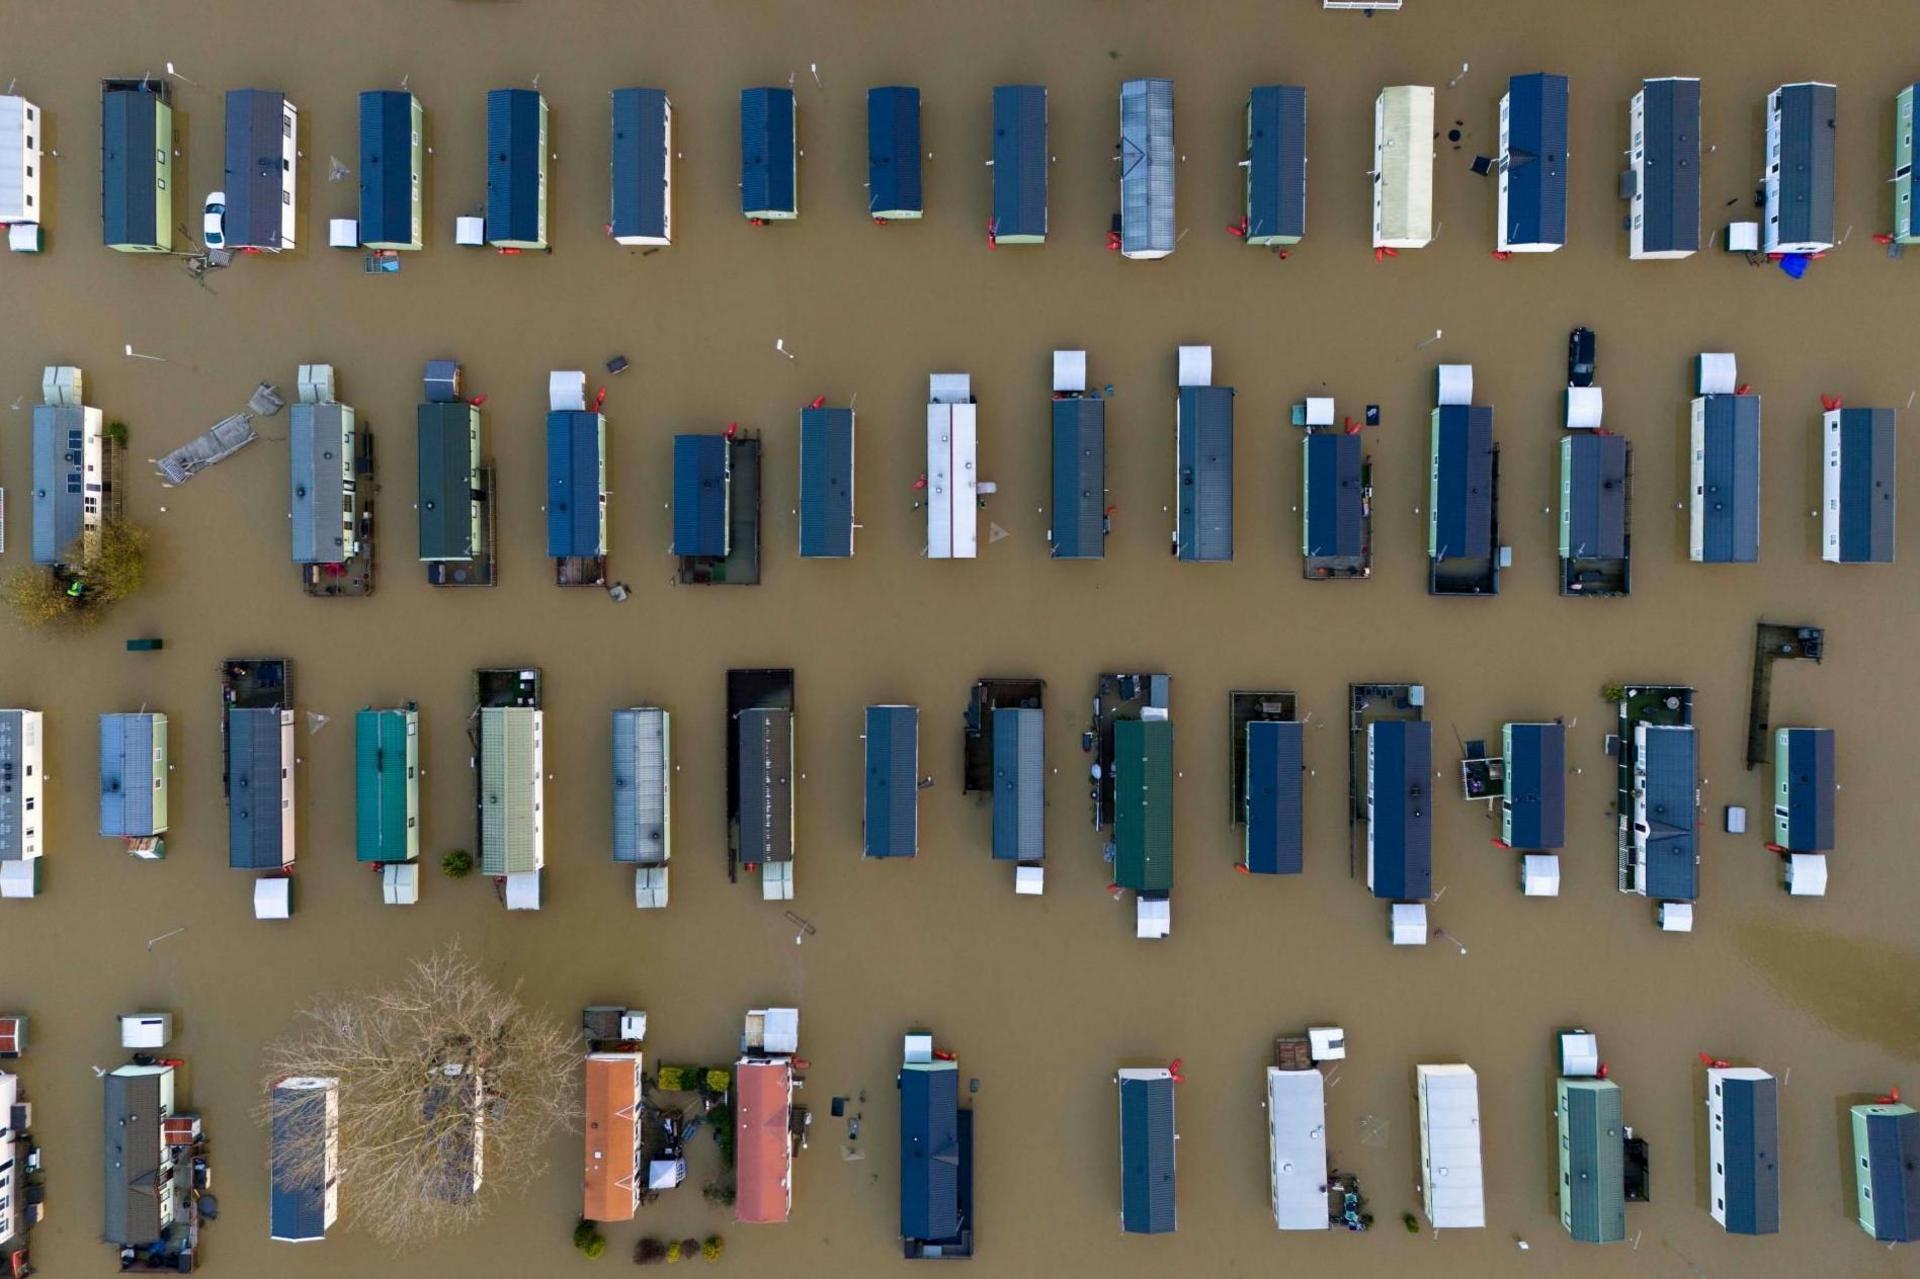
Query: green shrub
x=457, y=864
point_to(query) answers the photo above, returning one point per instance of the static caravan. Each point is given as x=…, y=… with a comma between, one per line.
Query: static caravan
x=953, y=514
x=303, y=1197
x=614, y=1101
x=325, y=497
x=1533, y=164
x=893, y=153
x=1663, y=125
x=936, y=1155
x=1275, y=779
x=891, y=820
x=516, y=211
x=22, y=782
x=826, y=483
x=1276, y=163
x=1463, y=493
x=702, y=495
x=1724, y=501
x=1203, y=461
x=136, y=165
x=1858, y=483
x=766, y=797
x=643, y=799
x=1592, y=1183
x=512, y=791
x=1886, y=1155
x=1906, y=183
x=69, y=482
x=576, y=484
x=1143, y=805
x=1019, y=784
x=259, y=787
x=393, y=167
x=1533, y=805
x=763, y=1143
x=642, y=167
x=1803, y=789
x=21, y=129
x=133, y=779
x=1799, y=182
x=1148, y=1139
x=1666, y=860
x=450, y=492
x=263, y=148
x=386, y=762
x=1595, y=477
x=1333, y=498
x=1743, y=1145
x=1399, y=814
x=456, y=1144
x=1450, y=1181
x=1020, y=163
x=139, y=1195
x=1078, y=512
x=1297, y=1147
x=769, y=155
x=1147, y=164
x=1403, y=167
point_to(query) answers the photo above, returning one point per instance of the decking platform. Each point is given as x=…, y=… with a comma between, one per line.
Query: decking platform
x=741, y=564
x=977, y=749
x=1367, y=704
x=1472, y=575
x=1669, y=704
x=1117, y=697
x=1773, y=642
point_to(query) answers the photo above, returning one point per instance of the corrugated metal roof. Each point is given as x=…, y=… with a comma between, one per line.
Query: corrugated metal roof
x=641, y=796
x=1670, y=165
x=510, y=790
x=386, y=756
x=1079, y=511
x=1143, y=805
x=130, y=1123
x=255, y=177
x=1593, y=1204
x=1020, y=161
x=1403, y=154
x=516, y=166
x=1400, y=809
x=1667, y=757
x=1536, y=159
x=60, y=480
x=1333, y=513
x=893, y=150
x=1805, y=210
x=1751, y=1122
x=1276, y=162
x=1810, y=789
x=892, y=821
x=642, y=162
x=133, y=779
x=929, y=1150
x=296, y=1190
x=319, y=453
x=1147, y=163
x=576, y=483
x=1273, y=791
x=1204, y=519
x=1297, y=1148
x=701, y=470
x=766, y=785
x=1462, y=483
x=1893, y=1171
x=1730, y=500
x=449, y=450
x=258, y=761
x=1019, y=783
x=826, y=483
x=1596, y=496
x=132, y=142
x=612, y=1106
x=1868, y=474
x=15, y=753
x=769, y=177
x=388, y=180
x=1534, y=809
x=763, y=1147
x=1147, y=1155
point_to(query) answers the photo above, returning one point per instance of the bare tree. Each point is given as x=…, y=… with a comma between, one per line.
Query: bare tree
x=449, y=1090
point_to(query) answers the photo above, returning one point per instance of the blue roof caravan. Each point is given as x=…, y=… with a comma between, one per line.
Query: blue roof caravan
x=1886, y=1158
x=133, y=780
x=1533, y=806
x=1803, y=789
x=1799, y=182
x=702, y=493
x=1147, y=163
x=1336, y=496
x=826, y=482
x=642, y=168
x=1148, y=1140
x=259, y=787
x=323, y=449
x=70, y=471
x=516, y=214
x=769, y=156
x=1276, y=196
x=392, y=169
x=891, y=818
x=1858, y=483
x=136, y=165
x=893, y=153
x=1724, y=523
x=1020, y=163
x=1596, y=481
x=1663, y=126
x=1077, y=514
x=1273, y=784
x=936, y=1154
x=1203, y=461
x=1533, y=164
x=1743, y=1147
x=576, y=483
x=1463, y=494
x=1400, y=810
x=303, y=1197
x=1005, y=760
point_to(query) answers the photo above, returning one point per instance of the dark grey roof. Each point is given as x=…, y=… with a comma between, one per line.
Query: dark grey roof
x=320, y=469
x=131, y=146
x=1204, y=520
x=388, y=182
x=1751, y=1154
x=1079, y=509
x=1810, y=789
x=1893, y=1171
x=1730, y=492
x=1534, y=806
x=1667, y=759
x=1333, y=514
x=1400, y=809
x=1019, y=783
x=131, y=1127
x=1868, y=473
x=515, y=193
x=59, y=481
x=1020, y=160
x=1535, y=165
x=766, y=785
x=1807, y=115
x=257, y=173
x=1596, y=496
x=1277, y=161
x=449, y=1109
x=255, y=769
x=1147, y=1156
x=1670, y=165
x=1462, y=482
x=447, y=479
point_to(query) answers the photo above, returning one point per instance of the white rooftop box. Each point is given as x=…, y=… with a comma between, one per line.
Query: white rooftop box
x=779, y=1031
x=145, y=1030
x=60, y=385
x=1583, y=408
x=1540, y=874
x=633, y=1025
x=1579, y=1054
x=1676, y=917
x=1327, y=1043
x=566, y=389
x=1409, y=923
x=273, y=897
x=523, y=890
x=470, y=231
x=1455, y=385
x=776, y=882
x=1807, y=874
x=400, y=883
x=1152, y=918
x=343, y=233
x=1196, y=366
x=665, y=1174
x=1319, y=410
x=1718, y=373
x=1070, y=371
x=949, y=388
x=314, y=383
x=20, y=879
x=1743, y=237
x=1029, y=881
x=917, y=1050
x=650, y=887
x=1736, y=819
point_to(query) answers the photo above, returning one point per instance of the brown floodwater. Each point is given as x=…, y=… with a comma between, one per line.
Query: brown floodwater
x=1040, y=998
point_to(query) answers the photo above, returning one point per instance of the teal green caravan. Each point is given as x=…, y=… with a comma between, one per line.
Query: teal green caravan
x=387, y=784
